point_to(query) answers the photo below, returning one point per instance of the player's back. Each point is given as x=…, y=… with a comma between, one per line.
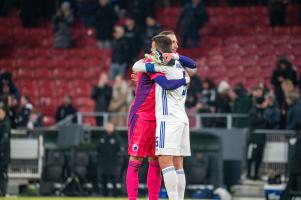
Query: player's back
x=143, y=105
x=170, y=104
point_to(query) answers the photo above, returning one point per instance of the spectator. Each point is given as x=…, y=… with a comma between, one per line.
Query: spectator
x=65, y=110
x=223, y=102
x=277, y=12
x=256, y=142
x=152, y=29
x=195, y=91
x=294, y=111
x=102, y=94
x=139, y=10
x=207, y=98
x=134, y=36
x=271, y=113
x=120, y=53
x=284, y=70
x=12, y=104
x=62, y=23
x=121, y=99
x=242, y=104
x=35, y=120
x=105, y=21
x=87, y=10
x=23, y=114
x=4, y=149
x=28, y=13
x=8, y=87
x=108, y=152
x=192, y=18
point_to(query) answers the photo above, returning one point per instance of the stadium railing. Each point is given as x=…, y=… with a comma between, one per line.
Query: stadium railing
x=197, y=119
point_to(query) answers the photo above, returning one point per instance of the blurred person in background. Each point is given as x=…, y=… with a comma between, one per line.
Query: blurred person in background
x=65, y=110
x=4, y=148
x=13, y=106
x=153, y=28
x=223, y=102
x=105, y=21
x=24, y=112
x=263, y=115
x=109, y=148
x=35, y=120
x=29, y=13
x=87, y=11
x=284, y=70
x=62, y=24
x=193, y=17
x=8, y=87
x=242, y=104
x=121, y=99
x=134, y=36
x=139, y=10
x=102, y=94
x=293, y=117
x=194, y=92
x=120, y=53
x=277, y=12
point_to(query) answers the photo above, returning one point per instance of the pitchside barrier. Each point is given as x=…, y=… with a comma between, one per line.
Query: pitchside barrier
x=223, y=147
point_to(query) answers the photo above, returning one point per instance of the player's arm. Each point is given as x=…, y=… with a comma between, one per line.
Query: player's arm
x=171, y=84
x=141, y=66
x=187, y=62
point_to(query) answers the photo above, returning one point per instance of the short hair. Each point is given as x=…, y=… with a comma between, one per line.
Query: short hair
x=163, y=43
x=169, y=32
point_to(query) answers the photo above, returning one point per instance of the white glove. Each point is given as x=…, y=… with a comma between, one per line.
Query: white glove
x=187, y=80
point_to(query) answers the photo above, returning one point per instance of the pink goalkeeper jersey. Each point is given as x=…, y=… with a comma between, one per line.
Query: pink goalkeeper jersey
x=144, y=103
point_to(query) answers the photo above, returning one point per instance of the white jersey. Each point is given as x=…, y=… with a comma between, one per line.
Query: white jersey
x=170, y=104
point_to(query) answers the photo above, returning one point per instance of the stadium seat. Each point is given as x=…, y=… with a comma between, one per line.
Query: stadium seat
x=296, y=30
x=282, y=30
x=42, y=73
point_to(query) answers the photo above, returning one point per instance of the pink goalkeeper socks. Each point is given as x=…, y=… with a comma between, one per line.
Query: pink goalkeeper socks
x=153, y=180
x=132, y=180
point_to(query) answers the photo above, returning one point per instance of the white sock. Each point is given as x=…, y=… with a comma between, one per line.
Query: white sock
x=170, y=180
x=181, y=183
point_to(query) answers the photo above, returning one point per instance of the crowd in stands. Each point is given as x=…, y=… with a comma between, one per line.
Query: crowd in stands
x=277, y=107
x=126, y=27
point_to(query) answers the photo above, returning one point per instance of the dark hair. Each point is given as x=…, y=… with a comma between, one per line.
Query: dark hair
x=6, y=76
x=163, y=43
x=210, y=82
x=285, y=61
x=169, y=32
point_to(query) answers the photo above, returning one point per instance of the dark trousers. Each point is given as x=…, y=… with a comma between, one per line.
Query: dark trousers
x=105, y=179
x=293, y=184
x=3, y=180
x=99, y=121
x=255, y=159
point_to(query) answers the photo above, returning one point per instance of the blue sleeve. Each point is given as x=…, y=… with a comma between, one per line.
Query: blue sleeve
x=187, y=62
x=150, y=67
x=169, y=84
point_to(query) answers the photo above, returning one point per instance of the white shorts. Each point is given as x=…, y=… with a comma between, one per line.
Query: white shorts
x=172, y=139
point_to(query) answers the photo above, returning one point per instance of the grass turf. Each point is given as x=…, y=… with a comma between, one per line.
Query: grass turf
x=59, y=198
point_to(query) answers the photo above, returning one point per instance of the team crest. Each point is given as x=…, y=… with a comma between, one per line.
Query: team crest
x=135, y=147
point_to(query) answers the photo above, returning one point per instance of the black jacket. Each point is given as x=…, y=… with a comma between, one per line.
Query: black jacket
x=23, y=115
x=105, y=20
x=65, y=110
x=120, y=51
x=108, y=152
x=286, y=74
x=4, y=142
x=102, y=97
x=293, y=120
x=295, y=156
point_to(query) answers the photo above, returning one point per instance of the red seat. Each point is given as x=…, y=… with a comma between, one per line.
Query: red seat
x=62, y=73
x=42, y=63
x=248, y=50
x=282, y=30
x=78, y=64
x=296, y=30
x=41, y=74
x=24, y=73
x=84, y=101
x=24, y=63
x=265, y=50
x=263, y=30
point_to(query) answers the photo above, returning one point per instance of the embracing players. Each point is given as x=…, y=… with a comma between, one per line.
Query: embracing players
x=142, y=123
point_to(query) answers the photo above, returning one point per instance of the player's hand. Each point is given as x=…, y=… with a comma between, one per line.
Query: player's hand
x=134, y=78
x=167, y=57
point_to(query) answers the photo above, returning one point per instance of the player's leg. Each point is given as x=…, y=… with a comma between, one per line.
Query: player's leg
x=184, y=145
x=132, y=179
x=169, y=176
x=154, y=178
x=166, y=148
x=178, y=163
